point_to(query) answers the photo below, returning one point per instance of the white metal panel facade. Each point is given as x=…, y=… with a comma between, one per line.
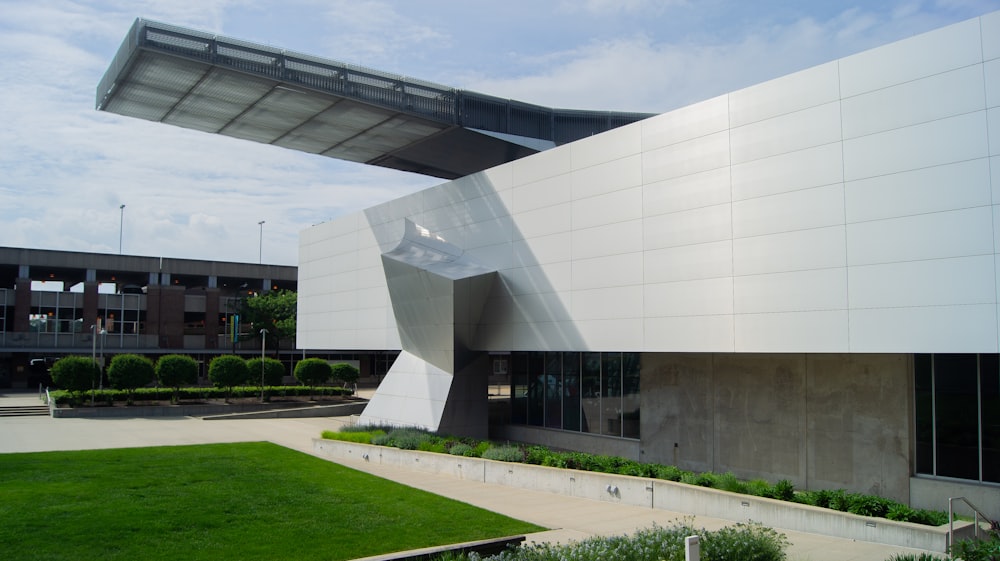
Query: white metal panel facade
x=845, y=208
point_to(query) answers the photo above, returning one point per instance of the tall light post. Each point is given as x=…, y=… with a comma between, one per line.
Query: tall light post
x=263, y=341
x=260, y=248
x=121, y=227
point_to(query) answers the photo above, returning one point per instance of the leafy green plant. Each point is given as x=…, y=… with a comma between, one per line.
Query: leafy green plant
x=869, y=505
x=978, y=550
x=129, y=371
x=742, y=541
x=74, y=373
x=227, y=371
x=313, y=371
x=783, y=490
x=273, y=371
x=504, y=453
x=174, y=371
x=460, y=449
x=923, y=556
x=344, y=373
x=729, y=482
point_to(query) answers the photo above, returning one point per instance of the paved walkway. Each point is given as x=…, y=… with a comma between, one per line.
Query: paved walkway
x=571, y=518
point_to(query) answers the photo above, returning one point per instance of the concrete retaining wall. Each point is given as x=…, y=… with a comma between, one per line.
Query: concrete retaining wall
x=652, y=493
x=231, y=410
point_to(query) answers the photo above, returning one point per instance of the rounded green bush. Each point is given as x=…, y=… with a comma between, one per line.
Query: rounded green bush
x=130, y=371
x=227, y=371
x=74, y=373
x=274, y=371
x=313, y=371
x=174, y=371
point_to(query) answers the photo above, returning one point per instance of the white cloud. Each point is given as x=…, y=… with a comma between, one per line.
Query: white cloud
x=65, y=168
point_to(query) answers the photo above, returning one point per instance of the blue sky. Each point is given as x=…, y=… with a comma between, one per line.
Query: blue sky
x=65, y=168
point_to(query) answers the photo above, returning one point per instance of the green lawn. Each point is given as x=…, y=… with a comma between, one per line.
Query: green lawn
x=254, y=501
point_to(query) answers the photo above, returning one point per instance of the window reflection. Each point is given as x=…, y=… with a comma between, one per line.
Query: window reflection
x=596, y=393
x=957, y=405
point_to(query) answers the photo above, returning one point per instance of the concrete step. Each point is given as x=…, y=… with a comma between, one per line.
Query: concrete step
x=24, y=411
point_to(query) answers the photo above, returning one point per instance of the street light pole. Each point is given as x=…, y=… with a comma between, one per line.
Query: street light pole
x=263, y=344
x=260, y=248
x=121, y=227
x=93, y=359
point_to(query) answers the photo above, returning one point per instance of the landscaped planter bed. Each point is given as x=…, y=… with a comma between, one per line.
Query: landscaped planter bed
x=653, y=493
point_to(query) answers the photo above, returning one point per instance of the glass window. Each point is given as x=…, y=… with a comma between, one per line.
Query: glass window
x=590, y=407
x=596, y=393
x=553, y=380
x=519, y=388
x=571, y=391
x=957, y=406
x=611, y=374
x=989, y=394
x=630, y=395
x=956, y=419
x=924, y=395
x=536, y=389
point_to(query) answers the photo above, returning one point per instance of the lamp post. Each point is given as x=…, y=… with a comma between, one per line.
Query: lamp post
x=260, y=247
x=93, y=358
x=263, y=344
x=121, y=227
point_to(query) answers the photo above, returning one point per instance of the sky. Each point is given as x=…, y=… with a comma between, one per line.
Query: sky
x=66, y=169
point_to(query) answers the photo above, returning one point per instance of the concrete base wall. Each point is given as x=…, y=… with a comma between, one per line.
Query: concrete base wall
x=930, y=493
x=818, y=420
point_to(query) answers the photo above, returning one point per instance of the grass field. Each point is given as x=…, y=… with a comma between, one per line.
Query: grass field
x=220, y=502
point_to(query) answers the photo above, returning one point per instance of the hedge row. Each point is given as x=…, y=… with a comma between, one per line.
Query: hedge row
x=111, y=396
x=839, y=499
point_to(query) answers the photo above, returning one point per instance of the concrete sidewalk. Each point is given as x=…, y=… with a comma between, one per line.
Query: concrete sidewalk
x=570, y=518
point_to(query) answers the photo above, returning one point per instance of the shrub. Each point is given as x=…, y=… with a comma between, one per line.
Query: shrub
x=744, y=541
x=273, y=371
x=344, y=373
x=505, y=453
x=729, y=482
x=706, y=479
x=313, y=371
x=923, y=556
x=978, y=550
x=174, y=371
x=128, y=372
x=759, y=488
x=74, y=373
x=869, y=505
x=668, y=473
x=783, y=490
x=227, y=371
x=357, y=436
x=460, y=449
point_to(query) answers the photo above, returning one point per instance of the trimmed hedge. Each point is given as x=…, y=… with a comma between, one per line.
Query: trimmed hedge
x=110, y=397
x=838, y=499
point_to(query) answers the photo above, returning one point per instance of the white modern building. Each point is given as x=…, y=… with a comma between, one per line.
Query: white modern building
x=798, y=280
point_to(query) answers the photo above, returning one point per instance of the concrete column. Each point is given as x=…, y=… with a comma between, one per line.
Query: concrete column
x=212, y=318
x=89, y=303
x=165, y=315
x=22, y=304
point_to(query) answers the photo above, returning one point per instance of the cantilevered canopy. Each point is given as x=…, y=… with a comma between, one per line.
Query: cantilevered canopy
x=213, y=84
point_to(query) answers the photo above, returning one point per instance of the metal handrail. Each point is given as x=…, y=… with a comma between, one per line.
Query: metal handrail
x=978, y=514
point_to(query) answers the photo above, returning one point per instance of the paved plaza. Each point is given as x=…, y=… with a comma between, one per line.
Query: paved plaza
x=570, y=518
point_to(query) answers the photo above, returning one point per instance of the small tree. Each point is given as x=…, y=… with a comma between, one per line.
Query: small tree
x=174, y=371
x=74, y=373
x=227, y=371
x=345, y=373
x=313, y=371
x=128, y=372
x=274, y=371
